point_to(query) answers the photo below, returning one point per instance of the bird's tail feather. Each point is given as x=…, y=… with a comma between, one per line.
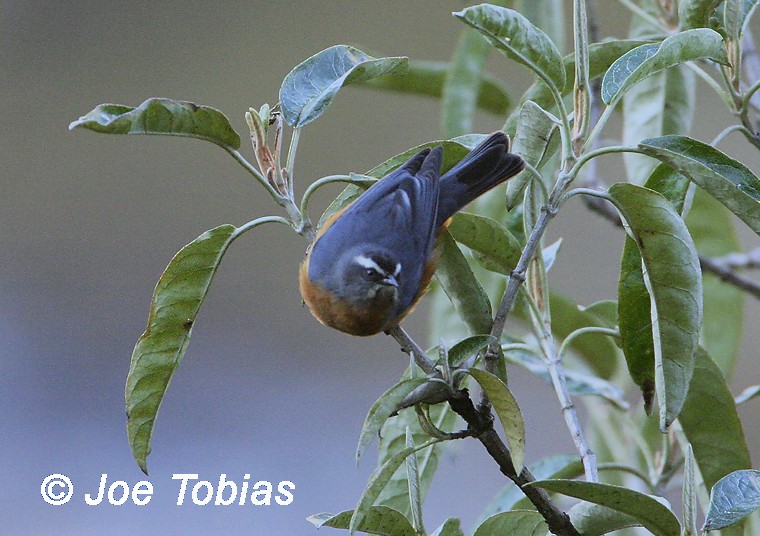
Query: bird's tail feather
x=486, y=166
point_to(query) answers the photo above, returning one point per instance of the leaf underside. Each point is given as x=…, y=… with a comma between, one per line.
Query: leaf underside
x=176, y=300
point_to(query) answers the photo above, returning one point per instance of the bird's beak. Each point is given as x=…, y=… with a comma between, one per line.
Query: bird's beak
x=390, y=281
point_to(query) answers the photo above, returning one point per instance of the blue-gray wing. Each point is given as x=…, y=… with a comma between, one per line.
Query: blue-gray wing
x=398, y=215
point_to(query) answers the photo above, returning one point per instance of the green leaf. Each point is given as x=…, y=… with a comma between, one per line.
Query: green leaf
x=534, y=132
x=519, y=39
x=463, y=289
x=634, y=311
x=162, y=116
x=670, y=184
x=427, y=78
x=648, y=510
x=634, y=302
x=696, y=13
x=508, y=411
x=466, y=348
x=413, y=478
x=711, y=423
x=726, y=179
x=512, y=498
x=470, y=141
x=378, y=480
x=733, y=498
x=673, y=280
x=736, y=16
x=460, y=89
x=178, y=296
x=514, y=523
x=310, y=88
x=601, y=56
x=601, y=353
x=594, y=520
x=643, y=61
x=393, y=438
x=493, y=245
x=712, y=228
x=379, y=520
x=451, y=527
x=433, y=391
x=382, y=409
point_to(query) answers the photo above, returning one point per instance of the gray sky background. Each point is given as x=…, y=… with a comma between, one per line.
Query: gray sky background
x=90, y=221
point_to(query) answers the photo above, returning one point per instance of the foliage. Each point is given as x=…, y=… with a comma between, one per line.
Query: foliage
x=656, y=335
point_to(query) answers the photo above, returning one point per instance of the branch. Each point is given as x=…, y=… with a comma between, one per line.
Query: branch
x=557, y=372
x=717, y=266
x=728, y=275
x=408, y=346
x=751, y=259
x=516, y=279
x=553, y=361
x=482, y=426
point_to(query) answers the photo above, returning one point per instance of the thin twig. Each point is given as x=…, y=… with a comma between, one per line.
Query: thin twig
x=408, y=346
x=728, y=275
x=482, y=425
x=583, y=331
x=557, y=372
x=725, y=132
x=751, y=259
x=516, y=279
x=260, y=221
x=553, y=361
x=570, y=165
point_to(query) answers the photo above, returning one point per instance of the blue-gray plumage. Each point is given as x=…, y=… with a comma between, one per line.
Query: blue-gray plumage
x=371, y=263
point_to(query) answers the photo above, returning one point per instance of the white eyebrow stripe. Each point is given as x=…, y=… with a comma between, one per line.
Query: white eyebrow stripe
x=397, y=270
x=366, y=262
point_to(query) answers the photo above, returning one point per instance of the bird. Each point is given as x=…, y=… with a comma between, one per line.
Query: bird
x=371, y=262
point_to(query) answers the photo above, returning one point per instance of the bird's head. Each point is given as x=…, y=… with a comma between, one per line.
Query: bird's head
x=368, y=279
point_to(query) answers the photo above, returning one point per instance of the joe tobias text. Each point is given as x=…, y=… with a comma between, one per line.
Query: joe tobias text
x=58, y=489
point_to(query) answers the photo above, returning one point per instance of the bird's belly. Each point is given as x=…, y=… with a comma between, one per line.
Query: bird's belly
x=372, y=318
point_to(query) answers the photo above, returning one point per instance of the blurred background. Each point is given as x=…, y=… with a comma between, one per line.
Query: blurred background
x=88, y=223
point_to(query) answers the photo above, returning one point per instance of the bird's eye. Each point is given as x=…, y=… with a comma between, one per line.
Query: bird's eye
x=371, y=273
